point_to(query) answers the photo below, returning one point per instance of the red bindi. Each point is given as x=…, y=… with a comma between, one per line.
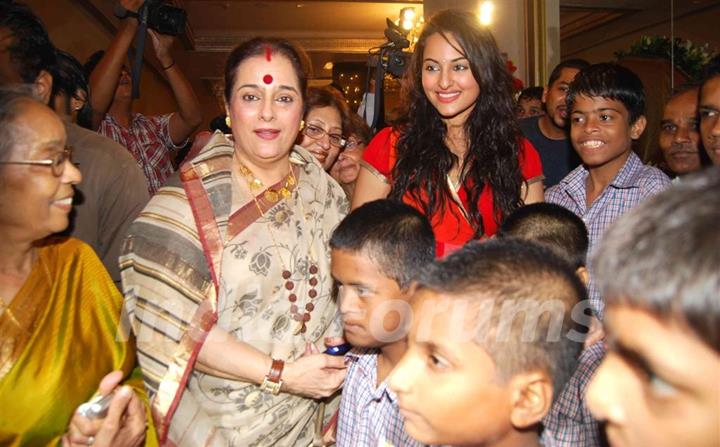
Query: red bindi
x=268, y=53
x=268, y=79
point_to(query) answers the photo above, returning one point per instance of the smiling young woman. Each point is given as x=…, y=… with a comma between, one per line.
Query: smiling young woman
x=459, y=156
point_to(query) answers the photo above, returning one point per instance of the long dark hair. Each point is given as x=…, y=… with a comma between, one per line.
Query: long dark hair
x=491, y=130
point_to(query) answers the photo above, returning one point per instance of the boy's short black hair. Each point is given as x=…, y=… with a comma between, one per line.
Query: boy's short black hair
x=552, y=226
x=512, y=272
x=531, y=93
x=68, y=75
x=31, y=50
x=396, y=236
x=610, y=81
x=577, y=64
x=664, y=256
x=712, y=70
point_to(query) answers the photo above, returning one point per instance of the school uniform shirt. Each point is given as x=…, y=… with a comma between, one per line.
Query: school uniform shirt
x=569, y=422
x=369, y=414
x=633, y=183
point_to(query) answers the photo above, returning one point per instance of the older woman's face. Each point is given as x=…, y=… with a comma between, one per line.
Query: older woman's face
x=327, y=119
x=34, y=202
x=266, y=108
x=347, y=167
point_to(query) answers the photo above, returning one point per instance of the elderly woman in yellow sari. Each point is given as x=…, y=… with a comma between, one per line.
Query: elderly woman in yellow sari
x=59, y=309
x=226, y=272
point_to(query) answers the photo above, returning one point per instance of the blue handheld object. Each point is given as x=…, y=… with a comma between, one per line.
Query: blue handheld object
x=339, y=349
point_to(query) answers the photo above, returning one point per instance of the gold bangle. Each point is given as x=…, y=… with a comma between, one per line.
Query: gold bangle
x=169, y=66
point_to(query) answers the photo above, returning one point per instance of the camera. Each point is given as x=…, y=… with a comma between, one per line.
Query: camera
x=161, y=17
x=397, y=62
x=165, y=19
x=394, y=59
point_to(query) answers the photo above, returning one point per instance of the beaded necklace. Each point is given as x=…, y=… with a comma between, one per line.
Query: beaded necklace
x=271, y=195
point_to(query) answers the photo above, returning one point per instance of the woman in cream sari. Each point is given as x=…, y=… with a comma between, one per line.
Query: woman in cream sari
x=226, y=272
x=60, y=337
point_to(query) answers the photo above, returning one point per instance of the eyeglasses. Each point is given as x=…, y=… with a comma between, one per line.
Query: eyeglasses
x=316, y=133
x=352, y=144
x=56, y=163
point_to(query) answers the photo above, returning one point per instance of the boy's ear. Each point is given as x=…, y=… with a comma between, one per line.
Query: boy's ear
x=637, y=128
x=583, y=274
x=532, y=394
x=43, y=86
x=76, y=104
x=409, y=290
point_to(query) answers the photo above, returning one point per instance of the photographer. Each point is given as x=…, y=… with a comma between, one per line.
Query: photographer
x=150, y=139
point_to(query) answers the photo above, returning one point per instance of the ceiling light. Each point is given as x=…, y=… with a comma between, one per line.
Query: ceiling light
x=407, y=14
x=407, y=19
x=486, y=12
x=328, y=66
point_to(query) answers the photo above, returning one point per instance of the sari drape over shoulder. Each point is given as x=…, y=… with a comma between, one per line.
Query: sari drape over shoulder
x=59, y=337
x=206, y=253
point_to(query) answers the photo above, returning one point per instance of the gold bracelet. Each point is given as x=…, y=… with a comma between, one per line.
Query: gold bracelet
x=169, y=66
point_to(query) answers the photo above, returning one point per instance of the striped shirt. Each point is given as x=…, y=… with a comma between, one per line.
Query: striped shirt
x=148, y=140
x=633, y=183
x=369, y=415
x=569, y=422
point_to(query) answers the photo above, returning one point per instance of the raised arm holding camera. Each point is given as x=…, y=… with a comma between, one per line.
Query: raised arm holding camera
x=149, y=138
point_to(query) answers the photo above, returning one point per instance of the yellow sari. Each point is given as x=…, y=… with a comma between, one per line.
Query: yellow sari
x=58, y=338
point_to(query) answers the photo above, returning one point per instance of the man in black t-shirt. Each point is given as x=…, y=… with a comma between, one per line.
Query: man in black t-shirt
x=548, y=132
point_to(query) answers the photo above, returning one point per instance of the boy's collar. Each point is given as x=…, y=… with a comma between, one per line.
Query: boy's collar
x=629, y=175
x=626, y=177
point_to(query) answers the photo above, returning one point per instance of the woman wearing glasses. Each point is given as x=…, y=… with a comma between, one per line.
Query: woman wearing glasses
x=226, y=272
x=459, y=157
x=59, y=309
x=347, y=167
x=325, y=118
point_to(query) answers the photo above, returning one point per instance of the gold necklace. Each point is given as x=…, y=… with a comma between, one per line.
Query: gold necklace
x=302, y=318
x=271, y=195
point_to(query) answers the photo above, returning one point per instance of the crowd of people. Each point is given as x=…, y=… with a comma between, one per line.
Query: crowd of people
x=297, y=281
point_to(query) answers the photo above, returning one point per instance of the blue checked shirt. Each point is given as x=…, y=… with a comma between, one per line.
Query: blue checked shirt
x=369, y=415
x=569, y=422
x=634, y=183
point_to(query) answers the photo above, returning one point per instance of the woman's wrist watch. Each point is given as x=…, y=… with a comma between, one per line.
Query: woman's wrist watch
x=272, y=382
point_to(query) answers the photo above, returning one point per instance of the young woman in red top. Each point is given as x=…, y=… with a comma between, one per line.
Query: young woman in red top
x=458, y=156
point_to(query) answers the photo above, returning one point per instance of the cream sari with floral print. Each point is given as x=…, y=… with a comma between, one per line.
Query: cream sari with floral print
x=177, y=290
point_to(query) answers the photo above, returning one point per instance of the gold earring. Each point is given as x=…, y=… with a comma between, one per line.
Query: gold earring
x=228, y=122
x=302, y=125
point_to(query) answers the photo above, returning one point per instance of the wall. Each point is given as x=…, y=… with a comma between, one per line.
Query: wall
x=599, y=44
x=73, y=29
